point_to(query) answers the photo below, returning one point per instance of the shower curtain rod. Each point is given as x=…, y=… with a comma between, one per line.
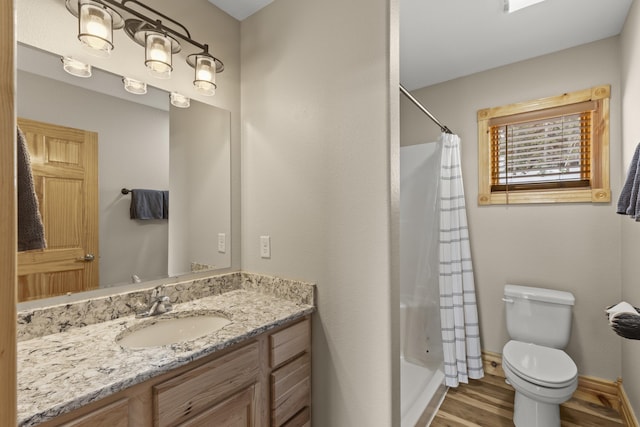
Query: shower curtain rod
x=443, y=128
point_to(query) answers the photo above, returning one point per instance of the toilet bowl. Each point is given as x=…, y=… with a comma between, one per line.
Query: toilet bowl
x=543, y=378
x=542, y=374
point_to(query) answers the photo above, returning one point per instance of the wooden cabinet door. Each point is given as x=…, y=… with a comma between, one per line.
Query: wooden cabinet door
x=64, y=162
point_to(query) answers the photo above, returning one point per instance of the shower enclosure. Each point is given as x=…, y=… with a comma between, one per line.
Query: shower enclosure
x=422, y=360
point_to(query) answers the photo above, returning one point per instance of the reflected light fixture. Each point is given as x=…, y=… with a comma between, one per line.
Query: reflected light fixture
x=159, y=34
x=134, y=86
x=75, y=67
x=179, y=100
x=511, y=6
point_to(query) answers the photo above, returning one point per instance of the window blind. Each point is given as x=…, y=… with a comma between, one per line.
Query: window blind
x=549, y=152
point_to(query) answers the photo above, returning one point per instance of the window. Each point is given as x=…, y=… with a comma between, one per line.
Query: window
x=550, y=150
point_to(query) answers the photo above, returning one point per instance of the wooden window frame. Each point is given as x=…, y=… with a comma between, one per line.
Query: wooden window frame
x=598, y=191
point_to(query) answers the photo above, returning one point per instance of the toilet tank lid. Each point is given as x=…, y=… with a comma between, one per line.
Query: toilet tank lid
x=539, y=294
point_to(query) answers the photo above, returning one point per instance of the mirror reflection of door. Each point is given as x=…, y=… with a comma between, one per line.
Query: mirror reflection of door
x=64, y=163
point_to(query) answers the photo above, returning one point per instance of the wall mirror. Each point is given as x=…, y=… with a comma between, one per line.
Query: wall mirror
x=143, y=142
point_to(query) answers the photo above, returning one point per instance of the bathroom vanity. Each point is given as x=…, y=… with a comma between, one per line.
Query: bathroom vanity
x=255, y=371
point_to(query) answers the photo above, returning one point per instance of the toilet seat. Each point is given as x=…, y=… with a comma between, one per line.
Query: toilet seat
x=543, y=366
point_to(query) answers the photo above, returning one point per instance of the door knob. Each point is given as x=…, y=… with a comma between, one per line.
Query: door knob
x=88, y=258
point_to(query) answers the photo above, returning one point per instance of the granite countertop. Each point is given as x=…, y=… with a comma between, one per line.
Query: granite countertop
x=63, y=371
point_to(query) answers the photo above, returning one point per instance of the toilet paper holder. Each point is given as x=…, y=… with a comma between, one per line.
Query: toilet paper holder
x=627, y=325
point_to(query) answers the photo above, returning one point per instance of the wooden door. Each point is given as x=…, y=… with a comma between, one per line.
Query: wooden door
x=65, y=171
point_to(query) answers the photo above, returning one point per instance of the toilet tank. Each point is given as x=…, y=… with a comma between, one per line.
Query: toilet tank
x=539, y=316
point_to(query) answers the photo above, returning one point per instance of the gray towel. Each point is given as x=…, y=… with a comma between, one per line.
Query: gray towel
x=147, y=204
x=165, y=205
x=629, y=200
x=30, y=228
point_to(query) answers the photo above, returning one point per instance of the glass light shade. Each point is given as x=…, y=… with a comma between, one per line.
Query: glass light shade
x=75, y=67
x=158, y=55
x=134, y=86
x=205, y=75
x=96, y=28
x=178, y=100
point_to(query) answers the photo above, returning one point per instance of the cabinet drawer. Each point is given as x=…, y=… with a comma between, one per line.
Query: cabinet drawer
x=236, y=411
x=288, y=343
x=115, y=414
x=301, y=419
x=186, y=395
x=290, y=390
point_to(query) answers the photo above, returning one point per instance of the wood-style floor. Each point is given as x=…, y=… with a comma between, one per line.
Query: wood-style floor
x=489, y=403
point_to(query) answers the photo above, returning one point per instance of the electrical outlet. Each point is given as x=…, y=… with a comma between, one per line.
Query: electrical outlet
x=265, y=247
x=222, y=242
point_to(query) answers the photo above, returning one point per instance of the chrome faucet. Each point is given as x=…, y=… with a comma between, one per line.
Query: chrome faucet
x=159, y=303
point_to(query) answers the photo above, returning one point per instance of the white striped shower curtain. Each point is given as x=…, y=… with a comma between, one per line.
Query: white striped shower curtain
x=458, y=310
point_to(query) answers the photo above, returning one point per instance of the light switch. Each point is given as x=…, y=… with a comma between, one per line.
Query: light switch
x=222, y=242
x=265, y=247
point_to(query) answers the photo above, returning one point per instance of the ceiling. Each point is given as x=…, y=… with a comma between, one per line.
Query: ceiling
x=444, y=39
x=240, y=9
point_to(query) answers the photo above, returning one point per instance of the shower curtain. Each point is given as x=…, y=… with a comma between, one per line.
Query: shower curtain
x=458, y=310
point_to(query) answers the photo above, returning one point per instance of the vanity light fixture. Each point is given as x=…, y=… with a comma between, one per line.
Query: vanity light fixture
x=134, y=86
x=75, y=67
x=158, y=34
x=205, y=72
x=95, y=25
x=511, y=6
x=158, y=53
x=179, y=100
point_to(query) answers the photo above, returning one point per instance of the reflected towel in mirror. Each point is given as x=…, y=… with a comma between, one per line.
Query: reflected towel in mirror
x=30, y=228
x=148, y=204
x=165, y=204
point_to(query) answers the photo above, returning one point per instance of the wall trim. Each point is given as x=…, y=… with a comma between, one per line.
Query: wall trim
x=596, y=390
x=626, y=410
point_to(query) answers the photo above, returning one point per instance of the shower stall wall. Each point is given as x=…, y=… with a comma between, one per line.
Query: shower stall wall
x=422, y=373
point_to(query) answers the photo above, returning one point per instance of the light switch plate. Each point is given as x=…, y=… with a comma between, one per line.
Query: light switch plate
x=265, y=247
x=222, y=242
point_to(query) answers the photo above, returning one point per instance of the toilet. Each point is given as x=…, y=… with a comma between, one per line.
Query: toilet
x=542, y=374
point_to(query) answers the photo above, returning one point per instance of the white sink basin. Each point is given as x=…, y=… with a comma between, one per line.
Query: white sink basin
x=172, y=330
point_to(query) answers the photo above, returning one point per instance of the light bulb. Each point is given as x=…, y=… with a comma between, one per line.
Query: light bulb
x=97, y=27
x=157, y=53
x=205, y=73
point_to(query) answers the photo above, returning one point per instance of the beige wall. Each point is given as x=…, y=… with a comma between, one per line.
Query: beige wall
x=573, y=247
x=315, y=149
x=630, y=53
